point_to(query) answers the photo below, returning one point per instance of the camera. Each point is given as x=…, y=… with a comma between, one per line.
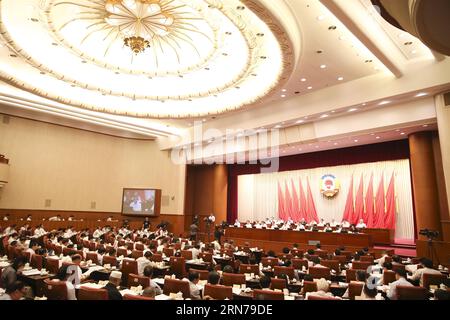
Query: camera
x=430, y=234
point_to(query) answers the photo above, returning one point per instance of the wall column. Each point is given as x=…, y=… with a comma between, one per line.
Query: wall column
x=426, y=199
x=443, y=118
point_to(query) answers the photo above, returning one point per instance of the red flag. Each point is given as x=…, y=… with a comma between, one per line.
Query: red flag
x=390, y=205
x=359, y=202
x=281, y=210
x=288, y=202
x=369, y=204
x=379, y=206
x=303, y=209
x=349, y=210
x=311, y=207
x=295, y=209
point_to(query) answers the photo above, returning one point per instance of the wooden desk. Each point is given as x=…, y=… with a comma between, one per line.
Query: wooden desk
x=289, y=237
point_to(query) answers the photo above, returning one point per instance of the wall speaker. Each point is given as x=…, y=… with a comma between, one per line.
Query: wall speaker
x=165, y=201
x=447, y=99
x=93, y=205
x=48, y=203
x=6, y=119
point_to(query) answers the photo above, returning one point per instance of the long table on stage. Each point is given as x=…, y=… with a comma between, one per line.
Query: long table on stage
x=301, y=237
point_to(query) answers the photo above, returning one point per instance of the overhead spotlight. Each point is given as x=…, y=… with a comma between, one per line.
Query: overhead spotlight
x=309, y=88
x=352, y=110
x=422, y=94
x=323, y=66
x=321, y=17
x=303, y=79
x=283, y=96
x=299, y=121
x=377, y=138
x=356, y=140
x=324, y=116
x=284, y=90
x=340, y=78
x=382, y=103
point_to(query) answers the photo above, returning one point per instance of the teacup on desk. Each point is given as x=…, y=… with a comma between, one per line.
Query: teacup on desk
x=44, y=272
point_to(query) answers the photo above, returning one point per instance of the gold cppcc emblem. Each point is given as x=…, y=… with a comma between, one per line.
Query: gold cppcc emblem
x=329, y=186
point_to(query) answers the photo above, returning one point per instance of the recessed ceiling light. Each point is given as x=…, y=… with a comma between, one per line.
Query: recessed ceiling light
x=377, y=138
x=284, y=90
x=204, y=120
x=309, y=88
x=321, y=17
x=300, y=121
x=283, y=96
x=323, y=66
x=324, y=116
x=277, y=126
x=333, y=111
x=303, y=79
x=398, y=130
x=335, y=143
x=413, y=51
x=422, y=94
x=382, y=103
x=402, y=133
x=340, y=78
x=352, y=110
x=363, y=104
x=425, y=125
x=356, y=140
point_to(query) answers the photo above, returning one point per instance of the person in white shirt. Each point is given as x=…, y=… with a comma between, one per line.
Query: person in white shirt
x=97, y=233
x=427, y=267
x=212, y=218
x=6, y=217
x=10, y=230
x=321, y=223
x=29, y=217
x=148, y=272
x=345, y=224
x=63, y=275
x=333, y=223
x=237, y=224
x=195, y=251
x=144, y=261
x=33, y=246
x=55, y=218
x=361, y=224
x=39, y=231
x=248, y=224
x=193, y=279
x=400, y=276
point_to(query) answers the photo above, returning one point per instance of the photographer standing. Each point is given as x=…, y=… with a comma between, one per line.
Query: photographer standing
x=218, y=233
x=193, y=231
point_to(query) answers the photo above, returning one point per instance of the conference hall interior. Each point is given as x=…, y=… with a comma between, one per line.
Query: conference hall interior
x=240, y=150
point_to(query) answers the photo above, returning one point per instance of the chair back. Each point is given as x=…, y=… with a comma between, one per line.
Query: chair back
x=135, y=280
x=37, y=261
x=309, y=286
x=230, y=279
x=128, y=266
x=203, y=273
x=388, y=277
x=249, y=268
x=156, y=257
x=267, y=295
x=279, y=284
x=267, y=261
x=218, y=292
x=187, y=254
x=178, y=266
x=52, y=265
x=347, y=254
x=278, y=271
x=169, y=252
x=354, y=290
x=298, y=264
x=412, y=293
x=297, y=253
x=111, y=260
x=137, y=254
x=323, y=254
x=350, y=274
x=58, y=250
x=206, y=256
x=175, y=286
x=367, y=259
x=129, y=245
x=93, y=256
x=432, y=279
x=122, y=252
x=92, y=294
x=332, y=264
x=396, y=266
x=55, y=290
x=139, y=246
x=361, y=265
x=320, y=272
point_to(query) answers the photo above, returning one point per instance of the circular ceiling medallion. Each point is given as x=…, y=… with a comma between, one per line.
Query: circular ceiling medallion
x=144, y=58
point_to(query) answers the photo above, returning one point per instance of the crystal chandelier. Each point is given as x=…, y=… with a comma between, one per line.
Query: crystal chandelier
x=139, y=21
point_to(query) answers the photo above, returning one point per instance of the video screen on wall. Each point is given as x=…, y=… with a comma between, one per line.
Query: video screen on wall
x=145, y=202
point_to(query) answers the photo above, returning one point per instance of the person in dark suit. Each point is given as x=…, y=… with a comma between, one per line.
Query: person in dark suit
x=146, y=223
x=114, y=281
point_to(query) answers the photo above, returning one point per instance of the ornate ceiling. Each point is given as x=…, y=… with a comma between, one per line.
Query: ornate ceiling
x=145, y=58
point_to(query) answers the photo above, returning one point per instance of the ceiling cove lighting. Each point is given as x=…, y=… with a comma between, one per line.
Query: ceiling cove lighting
x=147, y=58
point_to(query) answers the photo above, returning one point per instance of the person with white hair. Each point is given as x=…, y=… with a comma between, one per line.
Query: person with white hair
x=322, y=290
x=114, y=281
x=361, y=224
